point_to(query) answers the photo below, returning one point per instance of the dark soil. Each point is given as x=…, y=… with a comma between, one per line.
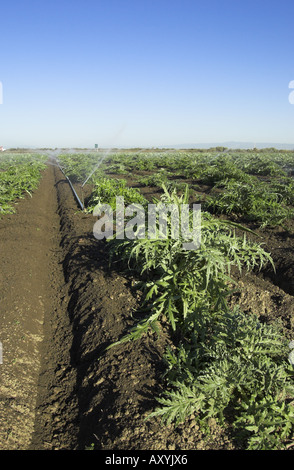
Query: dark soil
x=62, y=305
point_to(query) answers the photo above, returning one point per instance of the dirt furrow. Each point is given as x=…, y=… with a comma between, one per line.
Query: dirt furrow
x=31, y=286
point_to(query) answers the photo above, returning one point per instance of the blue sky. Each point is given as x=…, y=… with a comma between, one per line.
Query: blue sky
x=145, y=72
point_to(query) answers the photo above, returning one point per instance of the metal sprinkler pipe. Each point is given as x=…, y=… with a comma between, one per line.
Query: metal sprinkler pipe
x=72, y=188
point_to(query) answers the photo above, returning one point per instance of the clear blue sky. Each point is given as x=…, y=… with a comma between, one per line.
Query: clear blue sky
x=145, y=72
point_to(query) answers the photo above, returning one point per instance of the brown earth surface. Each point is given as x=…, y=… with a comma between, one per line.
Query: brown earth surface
x=62, y=305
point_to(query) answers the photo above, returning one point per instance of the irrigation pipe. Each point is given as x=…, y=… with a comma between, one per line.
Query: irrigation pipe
x=73, y=189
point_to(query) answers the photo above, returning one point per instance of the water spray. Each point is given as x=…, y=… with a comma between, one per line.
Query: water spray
x=96, y=167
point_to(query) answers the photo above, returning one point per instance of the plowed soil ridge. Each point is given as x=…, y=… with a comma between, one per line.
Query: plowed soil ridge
x=115, y=388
